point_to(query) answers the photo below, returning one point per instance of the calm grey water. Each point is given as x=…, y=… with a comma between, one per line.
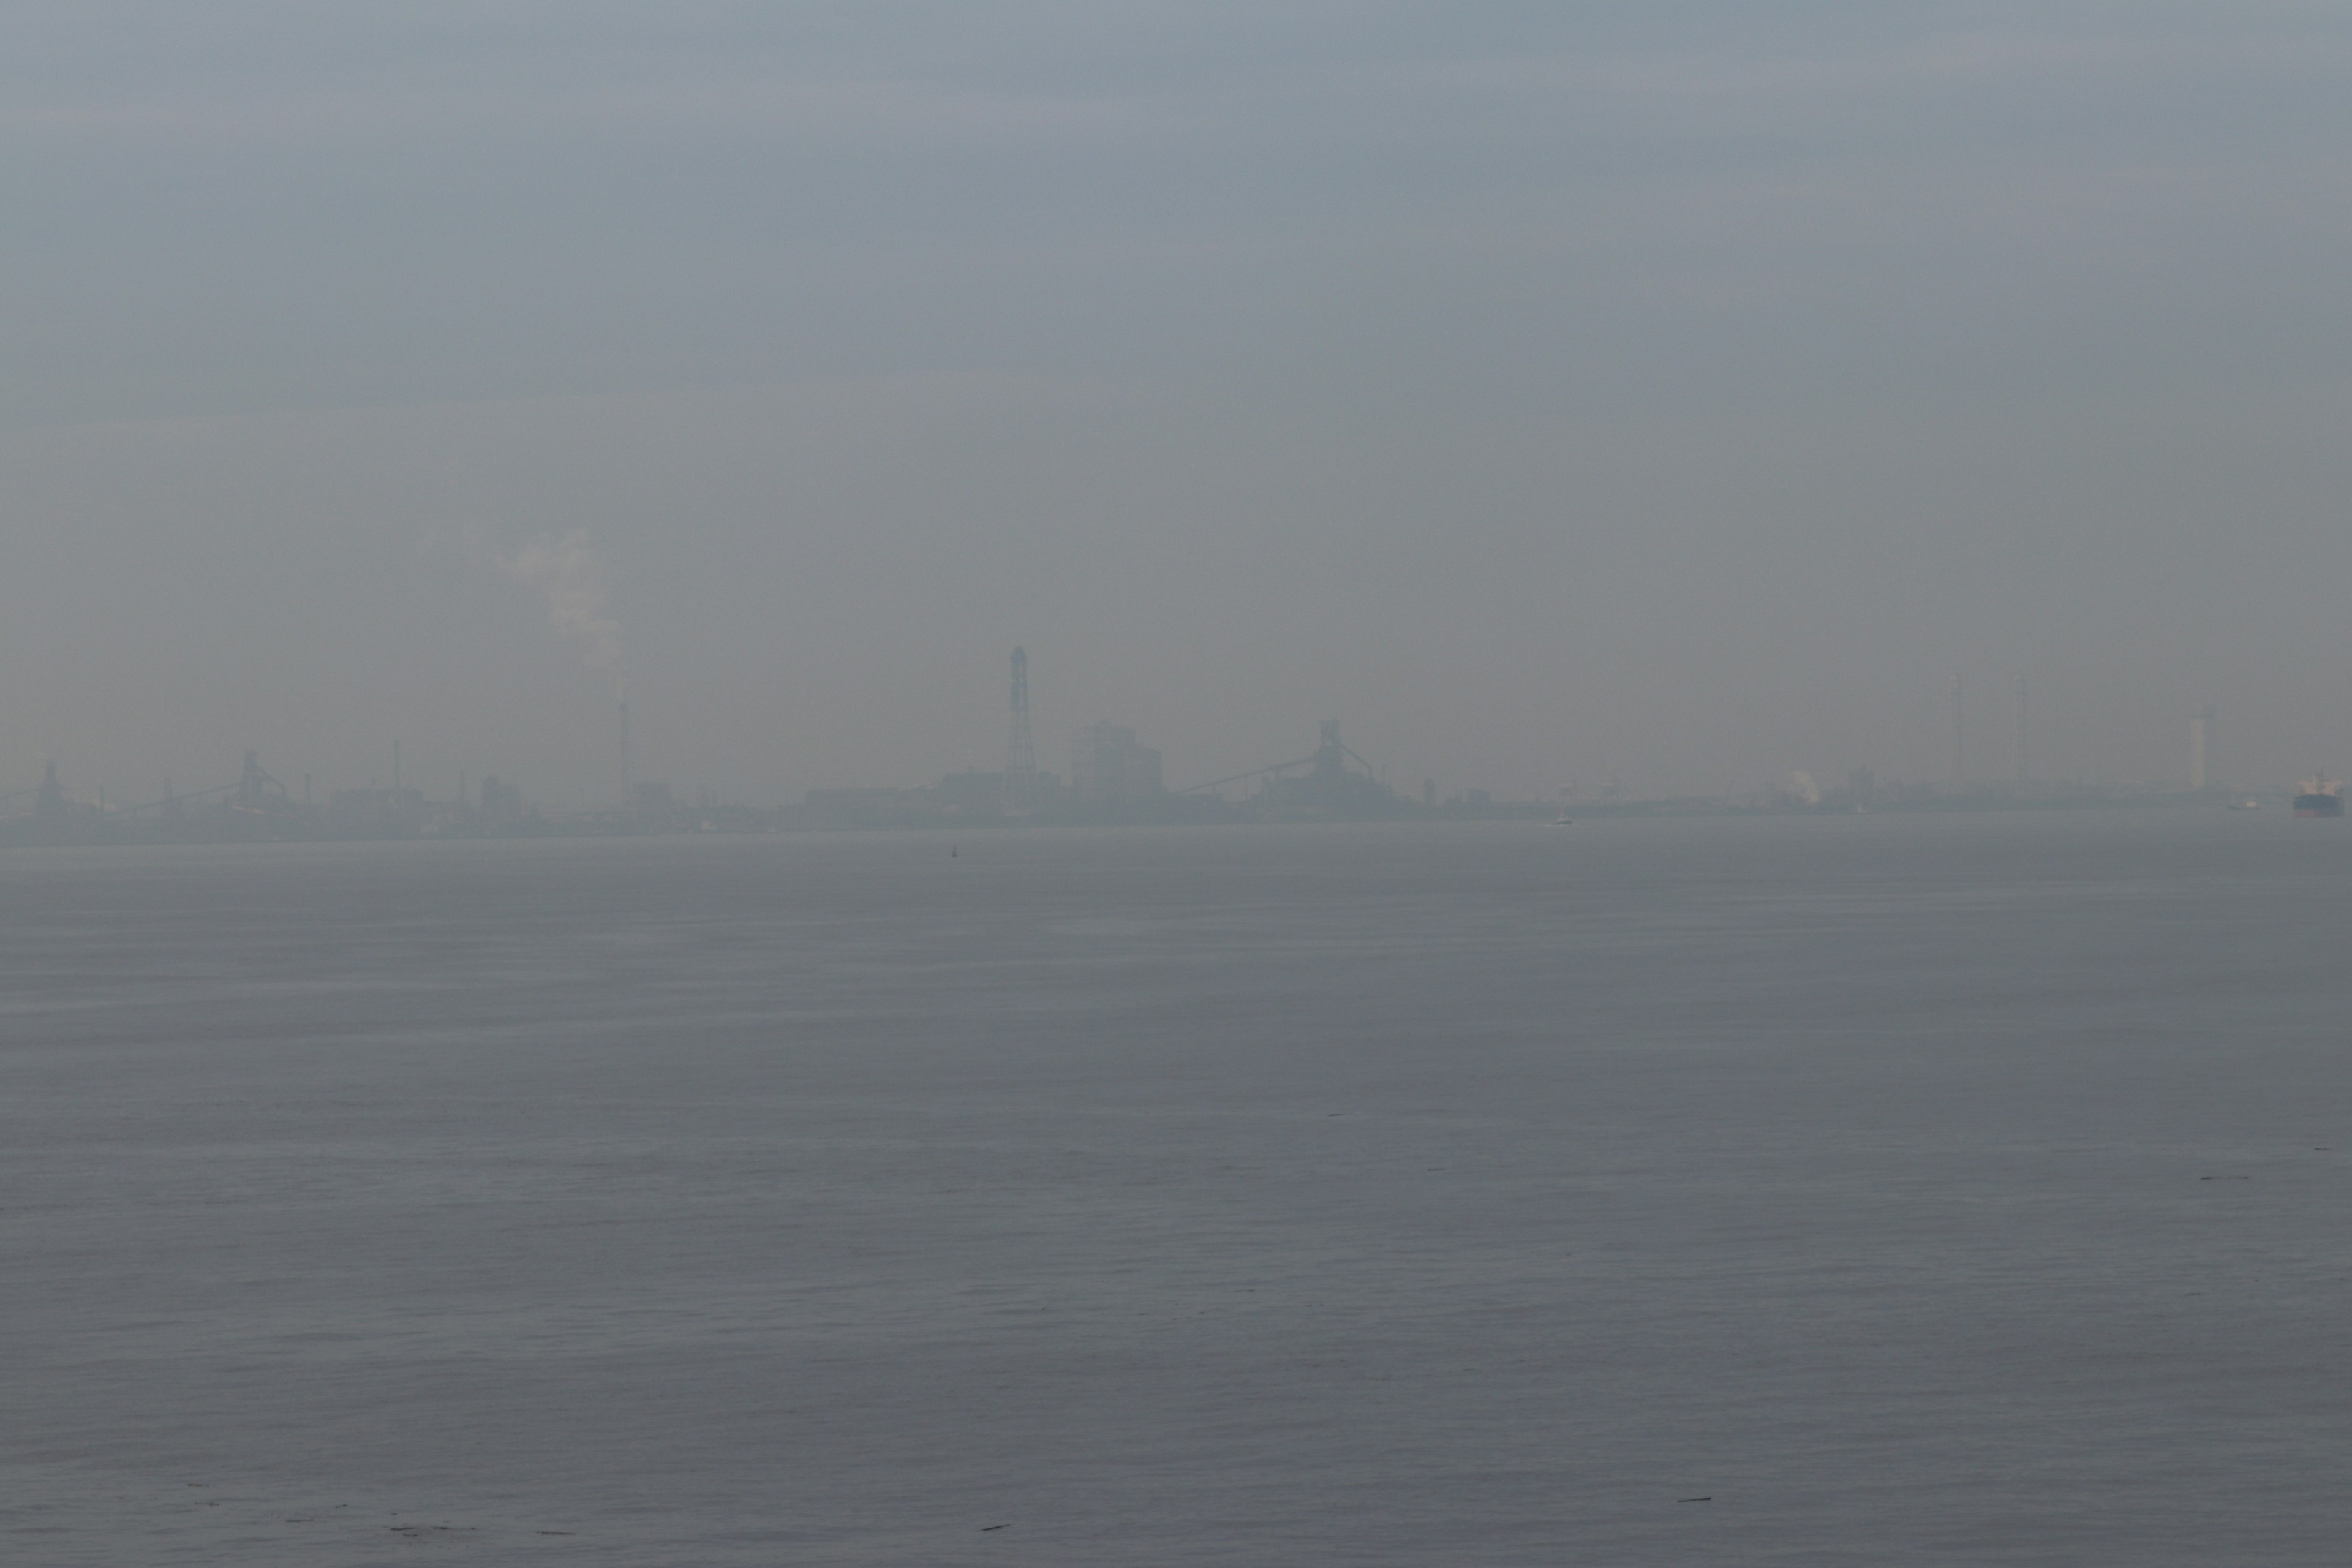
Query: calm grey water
x=1913, y=1191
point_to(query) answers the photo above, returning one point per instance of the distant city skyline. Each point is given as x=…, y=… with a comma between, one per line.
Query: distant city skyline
x=1550, y=394
x=1112, y=774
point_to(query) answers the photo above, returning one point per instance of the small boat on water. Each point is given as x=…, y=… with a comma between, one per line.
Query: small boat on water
x=2319, y=796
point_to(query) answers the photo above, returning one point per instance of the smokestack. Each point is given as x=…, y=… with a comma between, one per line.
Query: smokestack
x=2201, y=749
x=624, y=754
x=2021, y=774
x=1020, y=757
x=1960, y=737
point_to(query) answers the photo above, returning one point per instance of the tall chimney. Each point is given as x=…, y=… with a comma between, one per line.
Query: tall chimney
x=624, y=754
x=1960, y=737
x=1020, y=757
x=2023, y=772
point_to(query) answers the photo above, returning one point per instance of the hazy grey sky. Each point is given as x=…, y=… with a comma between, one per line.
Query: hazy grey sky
x=1546, y=391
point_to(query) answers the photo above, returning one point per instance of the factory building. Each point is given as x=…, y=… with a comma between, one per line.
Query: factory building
x=1110, y=773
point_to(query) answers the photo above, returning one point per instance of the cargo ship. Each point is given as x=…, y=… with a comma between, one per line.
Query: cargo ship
x=2320, y=796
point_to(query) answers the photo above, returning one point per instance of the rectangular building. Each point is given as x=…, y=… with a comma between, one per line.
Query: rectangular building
x=1109, y=771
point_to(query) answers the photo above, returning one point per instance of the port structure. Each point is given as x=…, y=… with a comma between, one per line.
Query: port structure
x=1327, y=763
x=256, y=791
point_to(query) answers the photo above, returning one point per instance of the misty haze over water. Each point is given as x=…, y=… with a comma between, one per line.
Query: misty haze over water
x=1553, y=394
x=1962, y=1189
x=500, y=423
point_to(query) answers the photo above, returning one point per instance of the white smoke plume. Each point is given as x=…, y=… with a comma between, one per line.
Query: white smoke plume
x=568, y=571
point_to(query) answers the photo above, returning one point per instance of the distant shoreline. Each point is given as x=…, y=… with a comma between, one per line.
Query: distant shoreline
x=83, y=828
